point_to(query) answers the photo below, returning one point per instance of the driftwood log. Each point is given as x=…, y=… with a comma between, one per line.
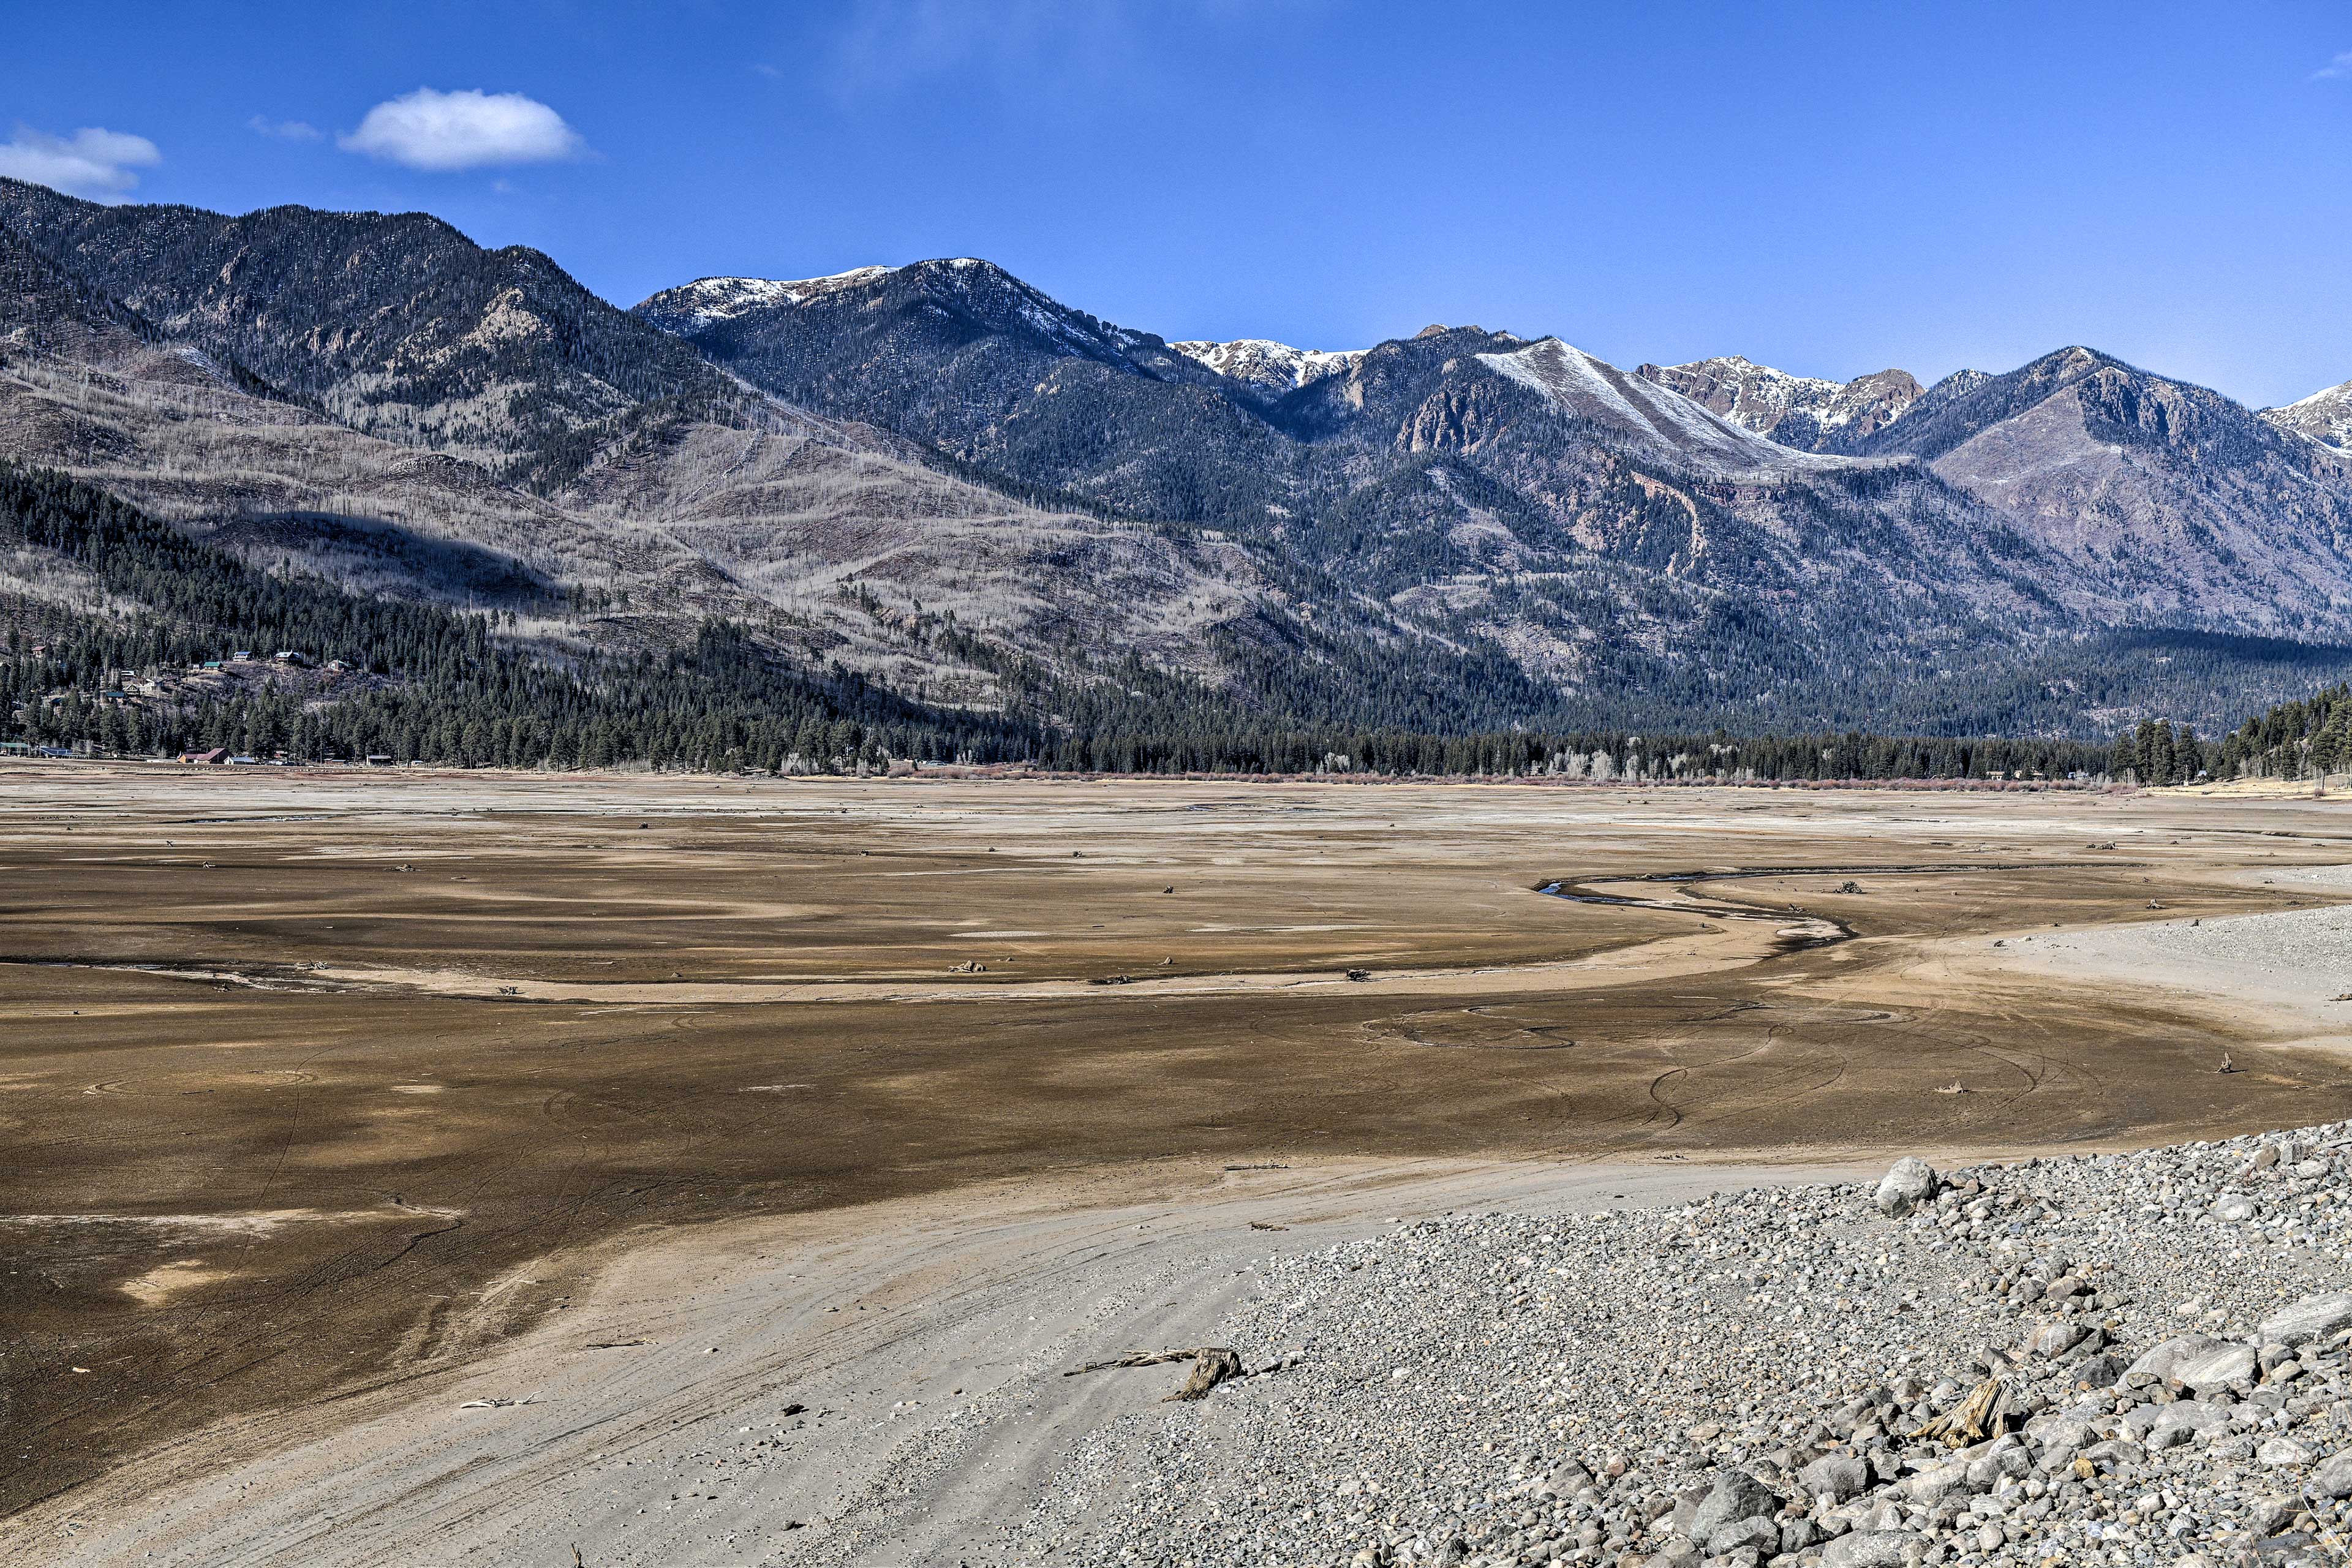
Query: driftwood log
x=1984, y=1414
x=1211, y=1365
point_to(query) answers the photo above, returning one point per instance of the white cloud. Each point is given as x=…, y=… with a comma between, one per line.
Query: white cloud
x=91, y=163
x=2341, y=65
x=466, y=130
x=284, y=130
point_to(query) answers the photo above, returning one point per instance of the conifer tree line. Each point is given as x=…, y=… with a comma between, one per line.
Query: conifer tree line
x=435, y=686
x=432, y=685
x=2306, y=739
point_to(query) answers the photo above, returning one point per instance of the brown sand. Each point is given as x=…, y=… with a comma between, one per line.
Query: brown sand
x=316, y=1084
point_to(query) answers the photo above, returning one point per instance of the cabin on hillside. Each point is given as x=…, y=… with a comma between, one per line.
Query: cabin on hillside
x=218, y=755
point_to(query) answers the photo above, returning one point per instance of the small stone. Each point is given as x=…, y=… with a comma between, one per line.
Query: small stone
x=2283, y=1453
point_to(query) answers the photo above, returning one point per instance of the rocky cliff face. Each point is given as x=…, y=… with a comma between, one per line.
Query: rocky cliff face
x=1804, y=412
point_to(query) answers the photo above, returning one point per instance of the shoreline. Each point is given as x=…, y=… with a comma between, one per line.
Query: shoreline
x=968, y=1304
x=906, y=1358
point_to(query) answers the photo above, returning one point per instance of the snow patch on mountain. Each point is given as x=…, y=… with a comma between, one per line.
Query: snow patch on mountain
x=1802, y=411
x=1586, y=385
x=2324, y=417
x=1268, y=365
x=708, y=300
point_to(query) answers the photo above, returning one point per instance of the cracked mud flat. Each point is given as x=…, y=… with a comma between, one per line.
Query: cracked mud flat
x=462, y=1173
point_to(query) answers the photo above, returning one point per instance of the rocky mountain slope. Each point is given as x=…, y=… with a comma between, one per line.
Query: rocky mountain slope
x=941, y=477
x=574, y=509
x=1804, y=412
x=395, y=325
x=1266, y=367
x=961, y=354
x=2170, y=499
x=1609, y=531
x=2325, y=417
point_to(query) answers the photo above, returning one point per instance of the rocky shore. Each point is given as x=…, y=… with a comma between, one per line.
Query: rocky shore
x=2124, y=1358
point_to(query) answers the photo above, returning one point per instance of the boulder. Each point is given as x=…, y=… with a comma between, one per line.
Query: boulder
x=2052, y=1340
x=2282, y=1453
x=1987, y=1471
x=1761, y=1535
x=1736, y=1497
x=1909, y=1183
x=1869, y=1549
x=1841, y=1477
x=2332, y=1480
x=2312, y=1318
x=2217, y=1368
x=2113, y=1451
x=2163, y=1361
x=2192, y=1415
x=1568, y=1481
x=1937, y=1482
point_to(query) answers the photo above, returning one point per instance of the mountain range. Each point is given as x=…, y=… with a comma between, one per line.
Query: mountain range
x=943, y=479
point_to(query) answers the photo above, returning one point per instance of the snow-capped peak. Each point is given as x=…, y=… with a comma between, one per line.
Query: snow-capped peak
x=708, y=300
x=1590, y=387
x=1795, y=410
x=1269, y=365
x=2326, y=416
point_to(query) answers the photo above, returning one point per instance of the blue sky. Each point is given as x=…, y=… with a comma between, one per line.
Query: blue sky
x=1831, y=188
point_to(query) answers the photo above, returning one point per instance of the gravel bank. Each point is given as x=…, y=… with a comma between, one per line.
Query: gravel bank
x=2154, y=1344
x=2297, y=959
